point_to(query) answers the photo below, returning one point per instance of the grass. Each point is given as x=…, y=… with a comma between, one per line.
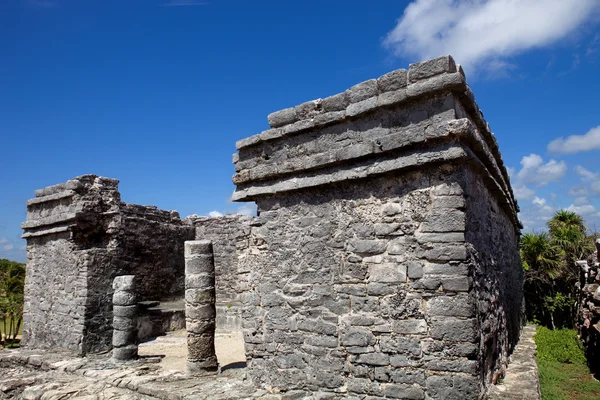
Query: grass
x=564, y=374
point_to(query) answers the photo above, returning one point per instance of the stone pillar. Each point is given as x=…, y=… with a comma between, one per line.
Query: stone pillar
x=125, y=314
x=200, y=311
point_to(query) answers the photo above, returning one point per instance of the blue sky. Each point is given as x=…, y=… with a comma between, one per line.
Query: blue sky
x=156, y=92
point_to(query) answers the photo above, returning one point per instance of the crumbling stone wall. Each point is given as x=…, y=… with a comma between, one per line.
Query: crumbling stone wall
x=79, y=237
x=386, y=226
x=588, y=320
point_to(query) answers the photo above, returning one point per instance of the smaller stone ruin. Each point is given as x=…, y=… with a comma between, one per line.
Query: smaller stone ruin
x=589, y=309
x=80, y=236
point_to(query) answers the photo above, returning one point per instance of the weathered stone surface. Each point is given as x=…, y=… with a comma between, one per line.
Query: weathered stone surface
x=282, y=117
x=429, y=68
x=387, y=232
x=394, y=80
x=72, y=263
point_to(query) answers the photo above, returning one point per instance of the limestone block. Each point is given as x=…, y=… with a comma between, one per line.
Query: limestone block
x=201, y=347
x=124, y=282
x=337, y=102
x=392, y=81
x=196, y=247
x=362, y=91
x=282, y=117
x=410, y=326
x=123, y=298
x=200, y=312
x=125, y=311
x=125, y=353
x=452, y=306
x=429, y=68
x=200, y=281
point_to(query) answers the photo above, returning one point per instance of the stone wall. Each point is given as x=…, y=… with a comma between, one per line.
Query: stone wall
x=79, y=237
x=588, y=320
x=386, y=228
x=228, y=234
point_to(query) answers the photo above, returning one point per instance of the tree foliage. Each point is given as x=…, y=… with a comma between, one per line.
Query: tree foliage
x=12, y=282
x=550, y=273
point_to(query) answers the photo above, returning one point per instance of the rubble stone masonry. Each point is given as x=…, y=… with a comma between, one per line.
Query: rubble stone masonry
x=384, y=261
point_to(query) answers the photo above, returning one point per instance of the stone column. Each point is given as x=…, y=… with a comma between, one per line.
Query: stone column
x=125, y=315
x=200, y=311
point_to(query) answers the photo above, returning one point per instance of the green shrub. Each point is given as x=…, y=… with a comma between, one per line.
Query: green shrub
x=561, y=345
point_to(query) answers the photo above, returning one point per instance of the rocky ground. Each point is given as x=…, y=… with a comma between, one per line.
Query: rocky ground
x=160, y=373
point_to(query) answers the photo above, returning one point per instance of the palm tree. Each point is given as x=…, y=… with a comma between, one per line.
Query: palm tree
x=541, y=266
x=12, y=282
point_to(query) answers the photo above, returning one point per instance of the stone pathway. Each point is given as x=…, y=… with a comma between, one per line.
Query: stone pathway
x=521, y=381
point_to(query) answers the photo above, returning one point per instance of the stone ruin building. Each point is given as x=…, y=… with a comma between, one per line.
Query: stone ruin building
x=589, y=308
x=383, y=262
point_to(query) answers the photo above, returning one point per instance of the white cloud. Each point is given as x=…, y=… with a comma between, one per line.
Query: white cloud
x=535, y=171
x=585, y=210
x=8, y=247
x=576, y=143
x=539, y=201
x=3, y=240
x=480, y=32
x=523, y=193
x=584, y=173
x=590, y=185
x=248, y=209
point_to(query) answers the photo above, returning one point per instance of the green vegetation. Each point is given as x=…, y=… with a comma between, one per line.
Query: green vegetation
x=564, y=374
x=550, y=273
x=12, y=282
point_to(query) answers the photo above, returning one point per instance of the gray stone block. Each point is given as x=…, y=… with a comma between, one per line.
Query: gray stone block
x=124, y=323
x=392, y=98
x=362, y=91
x=400, y=345
x=387, y=273
x=457, y=284
x=450, y=328
x=123, y=298
x=125, y=311
x=415, y=270
x=200, y=281
x=198, y=247
x=373, y=359
x=447, y=252
x=337, y=102
x=452, y=306
x=125, y=353
x=123, y=338
x=401, y=391
x=124, y=282
x=358, y=337
x=436, y=84
x=282, y=117
x=363, y=106
x=367, y=246
x=410, y=326
x=429, y=68
x=202, y=366
x=200, y=327
x=200, y=312
x=393, y=80
x=200, y=264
